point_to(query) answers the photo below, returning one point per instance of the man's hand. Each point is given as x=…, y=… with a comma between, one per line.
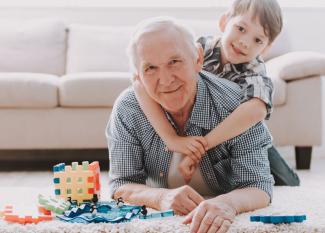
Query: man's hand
x=182, y=200
x=211, y=216
x=192, y=146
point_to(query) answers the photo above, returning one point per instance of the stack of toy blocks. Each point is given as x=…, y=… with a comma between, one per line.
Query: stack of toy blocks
x=79, y=182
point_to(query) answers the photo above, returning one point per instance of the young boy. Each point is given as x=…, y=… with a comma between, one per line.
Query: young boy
x=249, y=27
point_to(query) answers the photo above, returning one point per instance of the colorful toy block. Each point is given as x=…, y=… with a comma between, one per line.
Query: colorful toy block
x=274, y=219
x=79, y=182
x=10, y=216
x=56, y=205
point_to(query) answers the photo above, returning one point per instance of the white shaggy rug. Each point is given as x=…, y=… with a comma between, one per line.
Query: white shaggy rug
x=22, y=188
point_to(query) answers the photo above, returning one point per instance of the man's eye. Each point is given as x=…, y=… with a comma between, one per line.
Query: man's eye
x=241, y=29
x=149, y=69
x=174, y=61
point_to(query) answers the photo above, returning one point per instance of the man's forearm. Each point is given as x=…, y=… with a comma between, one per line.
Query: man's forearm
x=139, y=194
x=246, y=199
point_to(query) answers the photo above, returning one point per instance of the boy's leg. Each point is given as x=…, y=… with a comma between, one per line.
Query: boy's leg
x=282, y=173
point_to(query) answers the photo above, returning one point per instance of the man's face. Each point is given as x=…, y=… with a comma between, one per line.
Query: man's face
x=243, y=39
x=168, y=70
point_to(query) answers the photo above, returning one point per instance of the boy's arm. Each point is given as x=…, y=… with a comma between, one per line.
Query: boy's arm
x=244, y=117
x=190, y=146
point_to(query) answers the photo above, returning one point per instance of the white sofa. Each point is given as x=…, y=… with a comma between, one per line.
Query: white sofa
x=58, y=84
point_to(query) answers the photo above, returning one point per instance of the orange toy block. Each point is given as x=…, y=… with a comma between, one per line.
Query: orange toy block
x=10, y=216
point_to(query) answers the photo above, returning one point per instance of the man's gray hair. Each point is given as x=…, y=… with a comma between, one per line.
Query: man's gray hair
x=155, y=25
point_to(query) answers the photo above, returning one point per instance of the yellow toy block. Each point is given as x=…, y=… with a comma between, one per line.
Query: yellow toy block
x=79, y=182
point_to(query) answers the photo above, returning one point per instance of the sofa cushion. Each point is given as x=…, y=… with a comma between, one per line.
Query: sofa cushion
x=92, y=89
x=28, y=90
x=97, y=48
x=35, y=46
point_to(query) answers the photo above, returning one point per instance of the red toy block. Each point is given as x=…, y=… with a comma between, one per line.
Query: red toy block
x=91, y=191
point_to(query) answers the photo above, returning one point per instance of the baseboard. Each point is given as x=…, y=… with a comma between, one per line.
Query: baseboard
x=17, y=160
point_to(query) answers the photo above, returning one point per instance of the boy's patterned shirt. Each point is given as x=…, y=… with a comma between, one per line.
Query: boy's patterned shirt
x=251, y=77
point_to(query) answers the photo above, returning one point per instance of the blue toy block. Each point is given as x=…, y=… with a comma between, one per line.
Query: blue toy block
x=164, y=214
x=59, y=167
x=274, y=219
x=76, y=211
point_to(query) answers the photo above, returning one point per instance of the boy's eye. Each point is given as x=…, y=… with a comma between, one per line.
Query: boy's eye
x=259, y=41
x=241, y=29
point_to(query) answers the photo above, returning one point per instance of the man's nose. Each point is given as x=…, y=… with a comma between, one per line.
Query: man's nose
x=165, y=77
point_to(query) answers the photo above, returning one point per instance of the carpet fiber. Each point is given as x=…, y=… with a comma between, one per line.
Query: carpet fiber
x=22, y=188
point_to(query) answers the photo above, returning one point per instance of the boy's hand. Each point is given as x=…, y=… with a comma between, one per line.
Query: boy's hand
x=192, y=146
x=187, y=168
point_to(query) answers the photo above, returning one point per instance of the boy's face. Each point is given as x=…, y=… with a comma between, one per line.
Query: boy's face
x=243, y=38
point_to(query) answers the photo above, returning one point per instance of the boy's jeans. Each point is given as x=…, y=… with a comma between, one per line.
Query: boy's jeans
x=282, y=173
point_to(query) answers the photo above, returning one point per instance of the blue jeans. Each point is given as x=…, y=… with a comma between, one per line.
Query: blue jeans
x=282, y=173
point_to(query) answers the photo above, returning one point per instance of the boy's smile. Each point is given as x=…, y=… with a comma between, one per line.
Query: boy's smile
x=237, y=50
x=243, y=38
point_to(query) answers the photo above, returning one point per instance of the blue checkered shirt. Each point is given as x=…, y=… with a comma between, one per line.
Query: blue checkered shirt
x=251, y=76
x=137, y=154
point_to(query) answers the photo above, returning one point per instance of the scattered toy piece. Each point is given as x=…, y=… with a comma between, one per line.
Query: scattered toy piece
x=277, y=219
x=10, y=216
x=56, y=205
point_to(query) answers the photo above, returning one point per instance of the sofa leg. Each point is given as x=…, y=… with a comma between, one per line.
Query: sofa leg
x=303, y=157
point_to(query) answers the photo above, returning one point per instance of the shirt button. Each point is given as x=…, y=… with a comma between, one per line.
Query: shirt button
x=161, y=174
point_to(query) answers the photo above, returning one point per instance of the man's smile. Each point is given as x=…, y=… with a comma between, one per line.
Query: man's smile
x=171, y=90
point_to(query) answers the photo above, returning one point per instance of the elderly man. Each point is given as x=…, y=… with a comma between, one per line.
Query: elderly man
x=236, y=173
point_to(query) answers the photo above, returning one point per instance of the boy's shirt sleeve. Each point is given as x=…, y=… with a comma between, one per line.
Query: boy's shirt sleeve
x=211, y=53
x=255, y=84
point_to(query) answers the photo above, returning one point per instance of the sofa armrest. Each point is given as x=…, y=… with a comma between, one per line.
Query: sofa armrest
x=296, y=65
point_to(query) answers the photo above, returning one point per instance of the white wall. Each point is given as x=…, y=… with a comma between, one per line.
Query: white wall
x=305, y=24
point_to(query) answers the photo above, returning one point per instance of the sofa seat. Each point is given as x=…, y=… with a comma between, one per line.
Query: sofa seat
x=92, y=89
x=28, y=90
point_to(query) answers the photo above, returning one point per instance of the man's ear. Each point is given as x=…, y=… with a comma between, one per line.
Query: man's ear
x=200, y=57
x=135, y=77
x=223, y=20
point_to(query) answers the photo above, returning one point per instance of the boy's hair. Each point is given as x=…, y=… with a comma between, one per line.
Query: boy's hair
x=268, y=12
